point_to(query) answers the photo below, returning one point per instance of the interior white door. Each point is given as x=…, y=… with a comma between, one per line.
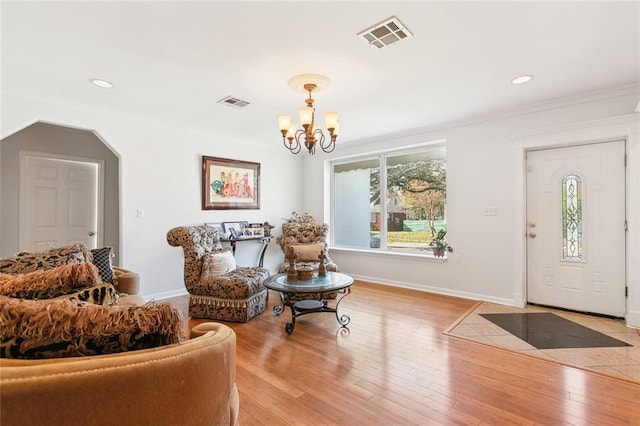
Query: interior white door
x=58, y=203
x=576, y=228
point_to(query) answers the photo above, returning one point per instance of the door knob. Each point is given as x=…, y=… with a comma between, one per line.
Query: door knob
x=91, y=233
x=532, y=235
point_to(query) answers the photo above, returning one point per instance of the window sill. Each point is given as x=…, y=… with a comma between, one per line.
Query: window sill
x=389, y=253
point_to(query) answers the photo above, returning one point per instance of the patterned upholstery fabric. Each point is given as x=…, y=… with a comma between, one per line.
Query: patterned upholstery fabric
x=100, y=294
x=49, y=283
x=303, y=229
x=236, y=296
x=227, y=309
x=300, y=230
x=55, y=328
x=28, y=262
x=66, y=269
x=240, y=283
x=77, y=282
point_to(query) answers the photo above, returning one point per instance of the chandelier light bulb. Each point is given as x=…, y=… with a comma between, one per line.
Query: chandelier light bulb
x=330, y=119
x=310, y=135
x=291, y=133
x=284, y=121
x=336, y=130
x=306, y=115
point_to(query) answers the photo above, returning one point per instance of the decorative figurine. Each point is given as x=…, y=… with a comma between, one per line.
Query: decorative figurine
x=267, y=227
x=322, y=271
x=292, y=274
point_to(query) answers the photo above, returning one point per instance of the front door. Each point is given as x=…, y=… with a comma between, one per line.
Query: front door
x=576, y=228
x=58, y=203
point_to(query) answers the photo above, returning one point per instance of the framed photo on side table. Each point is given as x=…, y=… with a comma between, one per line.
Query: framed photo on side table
x=255, y=232
x=234, y=229
x=215, y=225
x=230, y=184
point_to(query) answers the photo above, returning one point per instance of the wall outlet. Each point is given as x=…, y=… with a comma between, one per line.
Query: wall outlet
x=491, y=211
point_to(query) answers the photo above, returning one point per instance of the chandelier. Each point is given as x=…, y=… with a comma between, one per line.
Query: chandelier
x=311, y=136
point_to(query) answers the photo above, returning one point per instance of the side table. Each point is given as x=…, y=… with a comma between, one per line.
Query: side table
x=264, y=240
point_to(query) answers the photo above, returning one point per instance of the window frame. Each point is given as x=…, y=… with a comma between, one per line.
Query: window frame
x=381, y=156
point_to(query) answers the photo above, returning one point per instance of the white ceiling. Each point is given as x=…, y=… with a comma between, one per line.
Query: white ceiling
x=172, y=61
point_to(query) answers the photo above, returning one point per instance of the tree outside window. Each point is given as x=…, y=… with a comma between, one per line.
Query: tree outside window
x=413, y=204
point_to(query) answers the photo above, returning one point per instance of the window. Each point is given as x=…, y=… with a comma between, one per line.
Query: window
x=572, y=218
x=391, y=201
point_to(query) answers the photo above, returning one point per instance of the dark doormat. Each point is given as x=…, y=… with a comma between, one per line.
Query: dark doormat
x=549, y=331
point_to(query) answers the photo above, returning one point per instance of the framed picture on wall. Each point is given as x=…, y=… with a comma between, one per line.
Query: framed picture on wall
x=230, y=184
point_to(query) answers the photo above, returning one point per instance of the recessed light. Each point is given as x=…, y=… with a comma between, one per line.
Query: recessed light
x=101, y=83
x=522, y=79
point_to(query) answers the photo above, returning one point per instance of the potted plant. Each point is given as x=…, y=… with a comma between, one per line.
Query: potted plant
x=439, y=243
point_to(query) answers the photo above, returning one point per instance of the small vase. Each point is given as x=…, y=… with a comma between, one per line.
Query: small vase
x=438, y=251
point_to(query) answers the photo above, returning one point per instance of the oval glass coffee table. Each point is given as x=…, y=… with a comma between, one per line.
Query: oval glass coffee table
x=290, y=292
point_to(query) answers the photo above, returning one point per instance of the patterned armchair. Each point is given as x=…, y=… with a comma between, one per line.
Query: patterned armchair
x=307, y=238
x=218, y=289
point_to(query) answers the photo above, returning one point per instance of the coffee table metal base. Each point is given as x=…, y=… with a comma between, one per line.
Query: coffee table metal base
x=304, y=307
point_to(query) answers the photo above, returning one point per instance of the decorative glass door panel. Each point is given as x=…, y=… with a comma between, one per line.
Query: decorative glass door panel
x=572, y=218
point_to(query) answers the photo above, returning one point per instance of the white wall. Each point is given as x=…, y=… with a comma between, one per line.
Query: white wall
x=160, y=173
x=482, y=170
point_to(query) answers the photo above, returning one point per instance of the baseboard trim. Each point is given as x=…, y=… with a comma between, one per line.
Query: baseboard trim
x=437, y=290
x=390, y=283
x=165, y=295
x=633, y=319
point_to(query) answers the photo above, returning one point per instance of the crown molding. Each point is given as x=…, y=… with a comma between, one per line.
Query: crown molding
x=514, y=112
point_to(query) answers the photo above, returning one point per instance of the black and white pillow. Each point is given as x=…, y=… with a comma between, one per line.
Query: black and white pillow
x=102, y=258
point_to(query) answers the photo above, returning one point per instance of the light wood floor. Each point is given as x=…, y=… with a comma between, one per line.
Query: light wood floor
x=396, y=367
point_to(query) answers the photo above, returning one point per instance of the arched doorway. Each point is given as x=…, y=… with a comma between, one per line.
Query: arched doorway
x=57, y=141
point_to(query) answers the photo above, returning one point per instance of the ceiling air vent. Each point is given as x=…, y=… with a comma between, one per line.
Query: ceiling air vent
x=385, y=33
x=232, y=102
